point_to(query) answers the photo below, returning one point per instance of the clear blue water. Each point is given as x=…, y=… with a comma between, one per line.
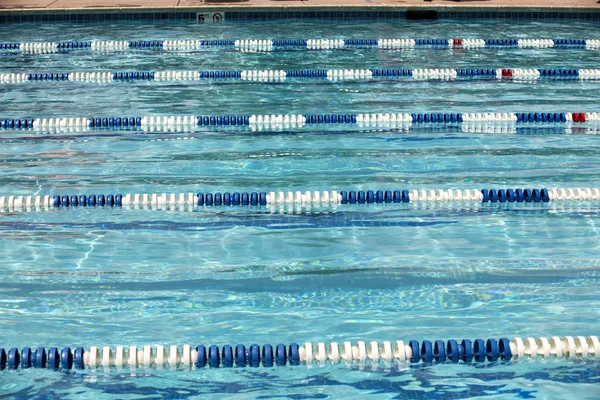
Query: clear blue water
x=227, y=276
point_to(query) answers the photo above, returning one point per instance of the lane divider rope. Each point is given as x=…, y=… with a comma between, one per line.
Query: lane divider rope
x=309, y=44
x=299, y=120
x=400, y=353
x=316, y=198
x=506, y=74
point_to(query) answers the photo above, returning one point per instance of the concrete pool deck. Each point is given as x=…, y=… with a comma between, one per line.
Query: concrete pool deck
x=55, y=5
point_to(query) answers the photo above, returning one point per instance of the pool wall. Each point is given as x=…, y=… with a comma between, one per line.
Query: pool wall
x=237, y=14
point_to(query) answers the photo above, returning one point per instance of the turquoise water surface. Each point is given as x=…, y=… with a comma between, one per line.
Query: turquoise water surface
x=121, y=277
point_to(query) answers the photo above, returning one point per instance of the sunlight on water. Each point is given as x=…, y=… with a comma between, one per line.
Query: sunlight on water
x=226, y=275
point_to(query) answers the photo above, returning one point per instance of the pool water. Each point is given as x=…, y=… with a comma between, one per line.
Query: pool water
x=81, y=277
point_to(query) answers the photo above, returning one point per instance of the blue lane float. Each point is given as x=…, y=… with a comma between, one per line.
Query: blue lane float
x=299, y=120
x=300, y=198
x=512, y=74
x=374, y=353
x=291, y=44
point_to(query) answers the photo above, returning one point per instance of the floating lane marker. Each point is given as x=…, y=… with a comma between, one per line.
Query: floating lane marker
x=398, y=353
x=265, y=45
x=504, y=74
x=151, y=123
x=328, y=198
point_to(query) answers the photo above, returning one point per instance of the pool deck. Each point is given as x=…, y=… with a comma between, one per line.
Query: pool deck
x=33, y=5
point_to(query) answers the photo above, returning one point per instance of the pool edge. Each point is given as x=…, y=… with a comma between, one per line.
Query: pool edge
x=316, y=8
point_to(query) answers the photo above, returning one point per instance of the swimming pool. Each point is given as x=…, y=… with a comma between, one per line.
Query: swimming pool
x=306, y=271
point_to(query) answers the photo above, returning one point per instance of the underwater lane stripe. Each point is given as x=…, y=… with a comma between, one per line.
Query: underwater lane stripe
x=386, y=353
